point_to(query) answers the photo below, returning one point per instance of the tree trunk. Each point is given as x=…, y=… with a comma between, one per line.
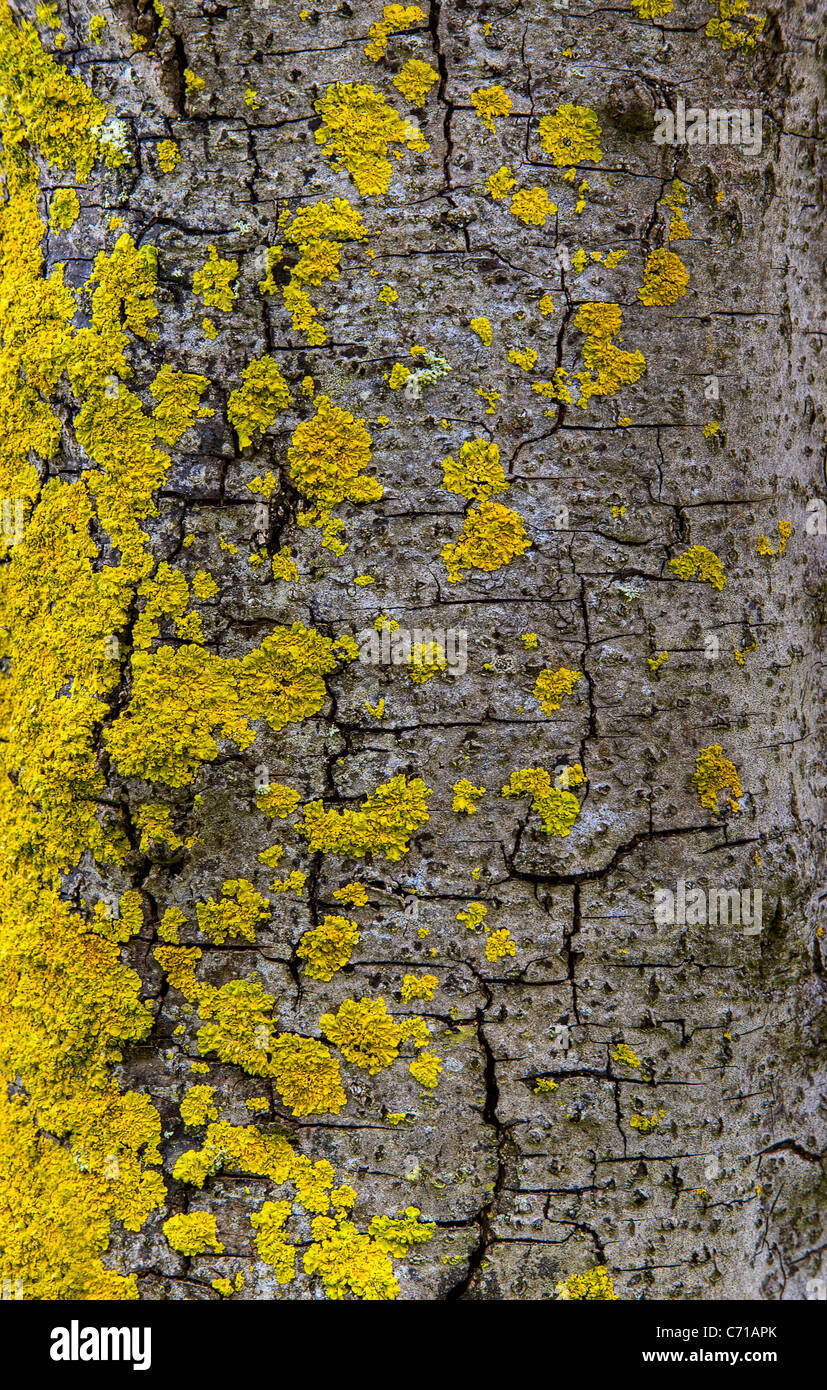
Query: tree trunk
x=565, y=1036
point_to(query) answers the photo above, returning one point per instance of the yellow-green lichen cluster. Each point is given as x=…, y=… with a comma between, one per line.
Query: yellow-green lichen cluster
x=364, y=1033
x=395, y=20
x=571, y=135
x=183, y=698
x=346, y=1261
x=254, y=405
x=608, y=367
x=595, y=1284
x=327, y=458
x=492, y=535
x=466, y=796
x=358, y=132
x=383, y=824
x=318, y=233
x=327, y=947
x=714, y=773
x=665, y=279
x=552, y=687
x=64, y=209
x=428, y=659
x=557, y=807
x=699, y=563
x=415, y=80
x=491, y=103
x=214, y=281
x=735, y=26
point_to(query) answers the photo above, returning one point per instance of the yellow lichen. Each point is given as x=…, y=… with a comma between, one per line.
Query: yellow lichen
x=557, y=807
x=169, y=156
x=764, y=547
x=490, y=103
x=551, y=687
x=608, y=367
x=737, y=35
x=415, y=80
x=64, y=210
x=327, y=947
x=492, y=536
x=644, y=1124
x=557, y=389
x=353, y=894
x=238, y=913
x=255, y=404
x=204, y=586
x=500, y=944
x=348, y=1262
x=359, y=129
x=676, y=201
x=523, y=357
x=665, y=278
x=701, y=563
x=154, y=821
x=499, y=185
x=383, y=824
x=283, y=566
x=319, y=232
x=307, y=1076
x=327, y=456
x=426, y=1069
x=532, y=206
x=395, y=20
x=571, y=135
x=473, y=915
x=398, y=1234
x=239, y=1027
x=418, y=987
x=465, y=796
x=198, y=1107
x=214, y=281
x=596, y=1284
x=625, y=1054
x=192, y=82
x=427, y=660
x=272, y=1246
x=714, y=774
x=364, y=1033
x=182, y=697
x=192, y=1233
x=278, y=801
x=338, y=1253
x=653, y=9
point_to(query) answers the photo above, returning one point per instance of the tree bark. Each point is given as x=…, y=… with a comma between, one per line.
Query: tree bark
x=625, y=1092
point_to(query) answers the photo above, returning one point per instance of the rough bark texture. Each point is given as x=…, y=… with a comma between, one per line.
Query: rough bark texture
x=719, y=1190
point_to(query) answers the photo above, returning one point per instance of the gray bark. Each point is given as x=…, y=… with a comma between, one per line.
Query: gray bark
x=527, y=1189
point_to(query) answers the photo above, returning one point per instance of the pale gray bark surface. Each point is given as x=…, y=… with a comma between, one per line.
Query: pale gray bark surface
x=526, y=1189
